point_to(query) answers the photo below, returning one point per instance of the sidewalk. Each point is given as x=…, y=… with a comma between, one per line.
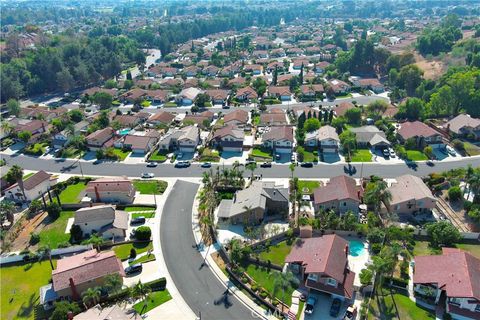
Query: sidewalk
x=206, y=252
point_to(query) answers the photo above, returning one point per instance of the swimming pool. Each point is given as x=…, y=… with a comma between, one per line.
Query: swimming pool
x=356, y=248
x=124, y=132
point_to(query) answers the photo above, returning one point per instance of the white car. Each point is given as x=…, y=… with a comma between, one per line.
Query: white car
x=392, y=153
x=451, y=151
x=147, y=175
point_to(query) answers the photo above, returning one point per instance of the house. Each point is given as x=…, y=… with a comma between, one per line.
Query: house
x=187, y=96
x=191, y=71
x=255, y=69
x=108, y=312
x=99, y=139
x=103, y=220
x=320, y=67
x=246, y=94
x=253, y=204
x=199, y=119
x=342, y=108
x=139, y=144
x=229, y=138
x=370, y=137
x=185, y=139
x=46, y=113
x=451, y=281
x=35, y=127
x=273, y=119
x=311, y=90
x=282, y=93
x=339, y=87
x=34, y=186
x=279, y=139
x=410, y=195
x=464, y=125
x=63, y=137
x=322, y=264
x=77, y=273
x=218, y=96
x=238, y=117
x=341, y=194
x=368, y=83
x=161, y=118
x=127, y=121
x=111, y=190
x=421, y=133
x=210, y=71
x=326, y=138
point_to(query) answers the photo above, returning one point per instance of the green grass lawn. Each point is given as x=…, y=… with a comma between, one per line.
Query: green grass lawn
x=170, y=105
x=415, y=155
x=265, y=278
x=471, y=149
x=307, y=186
x=123, y=251
x=422, y=248
x=71, y=194
x=144, y=259
x=388, y=304
x=54, y=232
x=71, y=152
x=209, y=155
x=20, y=285
x=154, y=299
x=28, y=175
x=347, y=95
x=256, y=120
x=361, y=155
x=309, y=156
x=121, y=154
x=146, y=215
x=150, y=186
x=159, y=156
x=264, y=154
x=276, y=253
x=133, y=209
x=301, y=304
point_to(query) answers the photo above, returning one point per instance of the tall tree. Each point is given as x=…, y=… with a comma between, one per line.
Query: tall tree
x=16, y=172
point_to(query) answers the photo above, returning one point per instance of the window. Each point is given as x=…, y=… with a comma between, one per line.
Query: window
x=420, y=203
x=344, y=204
x=455, y=301
x=332, y=282
x=313, y=277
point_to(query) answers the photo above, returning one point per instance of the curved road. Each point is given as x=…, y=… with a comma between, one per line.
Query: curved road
x=198, y=285
x=320, y=170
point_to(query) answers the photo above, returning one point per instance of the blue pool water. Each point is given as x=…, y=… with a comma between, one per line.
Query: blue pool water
x=124, y=132
x=356, y=248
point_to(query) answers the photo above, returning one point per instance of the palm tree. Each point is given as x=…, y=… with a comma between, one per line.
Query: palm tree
x=284, y=281
x=94, y=240
x=7, y=209
x=113, y=283
x=248, y=210
x=17, y=173
x=474, y=185
x=44, y=252
x=377, y=193
x=251, y=166
x=292, y=168
x=91, y=295
x=7, y=127
x=141, y=291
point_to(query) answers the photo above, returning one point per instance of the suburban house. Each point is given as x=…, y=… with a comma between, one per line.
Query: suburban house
x=161, y=118
x=253, y=204
x=342, y=108
x=339, y=87
x=371, y=137
x=63, y=137
x=228, y=138
x=238, y=118
x=103, y=220
x=108, y=312
x=410, y=195
x=34, y=186
x=111, y=190
x=185, y=139
x=341, y=194
x=34, y=112
x=99, y=139
x=311, y=90
x=33, y=126
x=322, y=263
x=282, y=93
x=325, y=138
x=246, y=94
x=154, y=96
x=422, y=133
x=255, y=69
x=451, y=281
x=77, y=273
x=139, y=144
x=279, y=139
x=368, y=83
x=127, y=121
x=187, y=96
x=273, y=119
x=218, y=96
x=465, y=126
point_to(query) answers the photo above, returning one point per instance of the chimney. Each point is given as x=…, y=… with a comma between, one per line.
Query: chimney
x=75, y=294
x=346, y=250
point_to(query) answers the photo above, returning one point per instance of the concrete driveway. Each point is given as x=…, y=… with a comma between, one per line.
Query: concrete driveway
x=322, y=308
x=149, y=273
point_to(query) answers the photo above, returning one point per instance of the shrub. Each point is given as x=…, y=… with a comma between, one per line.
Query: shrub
x=376, y=247
x=459, y=145
x=34, y=238
x=254, y=287
x=443, y=233
x=143, y=233
x=454, y=193
x=244, y=279
x=76, y=233
x=133, y=253
x=375, y=235
x=263, y=294
x=63, y=308
x=157, y=285
x=53, y=210
x=366, y=277
x=64, y=244
x=34, y=208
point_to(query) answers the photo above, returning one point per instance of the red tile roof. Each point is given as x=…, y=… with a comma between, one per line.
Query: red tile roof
x=338, y=188
x=162, y=116
x=238, y=115
x=279, y=133
x=416, y=129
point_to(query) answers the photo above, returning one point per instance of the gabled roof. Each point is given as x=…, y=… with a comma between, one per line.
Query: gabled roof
x=462, y=121
x=415, y=129
x=229, y=131
x=279, y=133
x=327, y=132
x=111, y=184
x=33, y=181
x=119, y=219
x=162, y=116
x=237, y=115
x=338, y=188
x=409, y=187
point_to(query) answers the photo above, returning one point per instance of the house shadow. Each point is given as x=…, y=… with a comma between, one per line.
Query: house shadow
x=90, y=156
x=330, y=158
x=230, y=154
x=440, y=154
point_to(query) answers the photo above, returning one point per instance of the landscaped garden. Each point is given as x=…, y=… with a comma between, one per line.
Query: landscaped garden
x=307, y=154
x=276, y=253
x=53, y=233
x=361, y=155
x=416, y=155
x=36, y=149
x=159, y=156
x=71, y=194
x=261, y=154
x=209, y=155
x=307, y=186
x=150, y=186
x=471, y=149
x=121, y=154
x=122, y=251
x=154, y=299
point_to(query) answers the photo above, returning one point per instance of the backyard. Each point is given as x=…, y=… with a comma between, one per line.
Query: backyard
x=276, y=253
x=415, y=155
x=71, y=194
x=20, y=298
x=307, y=186
x=150, y=186
x=53, y=232
x=123, y=250
x=361, y=155
x=159, y=156
x=154, y=299
x=422, y=248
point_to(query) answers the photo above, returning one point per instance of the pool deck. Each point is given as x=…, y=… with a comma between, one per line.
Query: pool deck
x=357, y=263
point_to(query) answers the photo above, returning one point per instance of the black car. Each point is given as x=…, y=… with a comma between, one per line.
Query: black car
x=430, y=163
x=182, y=164
x=139, y=220
x=310, y=305
x=134, y=268
x=307, y=164
x=335, y=308
x=266, y=165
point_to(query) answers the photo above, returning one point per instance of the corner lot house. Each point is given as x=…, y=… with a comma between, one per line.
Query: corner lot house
x=340, y=194
x=77, y=273
x=464, y=125
x=104, y=220
x=323, y=264
x=34, y=186
x=111, y=190
x=229, y=138
x=99, y=139
x=410, y=195
x=451, y=281
x=253, y=204
x=422, y=133
x=279, y=139
x=371, y=137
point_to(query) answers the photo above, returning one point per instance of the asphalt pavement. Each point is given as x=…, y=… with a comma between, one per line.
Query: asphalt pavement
x=197, y=284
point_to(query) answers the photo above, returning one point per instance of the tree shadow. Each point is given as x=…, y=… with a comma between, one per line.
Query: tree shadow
x=27, y=308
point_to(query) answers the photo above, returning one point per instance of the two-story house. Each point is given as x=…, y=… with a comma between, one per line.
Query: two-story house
x=279, y=139
x=111, y=190
x=422, y=133
x=99, y=139
x=228, y=138
x=410, y=195
x=237, y=118
x=185, y=140
x=325, y=138
x=103, y=220
x=341, y=194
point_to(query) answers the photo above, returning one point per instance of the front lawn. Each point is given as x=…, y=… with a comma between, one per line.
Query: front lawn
x=71, y=194
x=144, y=259
x=20, y=285
x=123, y=250
x=54, y=232
x=36, y=149
x=209, y=155
x=308, y=155
x=133, y=209
x=154, y=299
x=150, y=186
x=471, y=149
x=276, y=253
x=361, y=155
x=262, y=153
x=120, y=153
x=146, y=215
x=170, y=105
x=159, y=156
x=415, y=155
x=307, y=186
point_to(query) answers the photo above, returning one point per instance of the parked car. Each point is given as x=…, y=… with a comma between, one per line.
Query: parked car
x=350, y=313
x=335, y=307
x=386, y=153
x=182, y=164
x=392, y=153
x=451, y=151
x=147, y=175
x=307, y=164
x=206, y=165
x=266, y=165
x=139, y=220
x=310, y=305
x=152, y=164
x=430, y=163
x=249, y=161
x=134, y=268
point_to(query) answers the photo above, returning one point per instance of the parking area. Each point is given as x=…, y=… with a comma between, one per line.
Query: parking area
x=135, y=158
x=149, y=273
x=321, y=310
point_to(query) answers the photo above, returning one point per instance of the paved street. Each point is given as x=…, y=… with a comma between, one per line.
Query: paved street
x=198, y=286
x=320, y=170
